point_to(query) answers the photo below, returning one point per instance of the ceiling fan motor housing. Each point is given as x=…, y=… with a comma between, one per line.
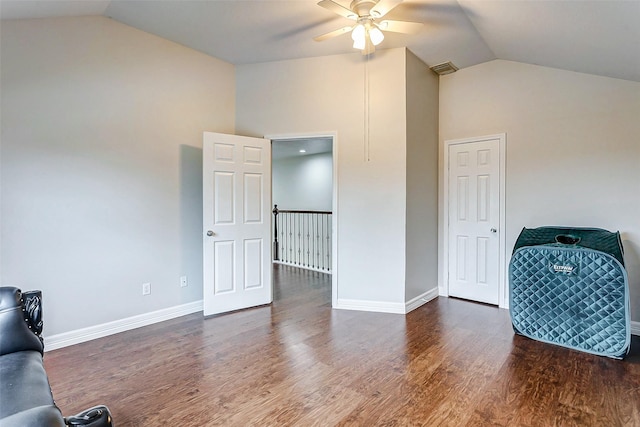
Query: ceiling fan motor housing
x=363, y=7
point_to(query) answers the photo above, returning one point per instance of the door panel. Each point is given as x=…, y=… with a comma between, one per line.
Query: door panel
x=253, y=186
x=224, y=259
x=224, y=193
x=252, y=266
x=236, y=221
x=474, y=218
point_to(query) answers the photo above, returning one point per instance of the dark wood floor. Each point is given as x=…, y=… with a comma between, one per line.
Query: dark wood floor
x=297, y=362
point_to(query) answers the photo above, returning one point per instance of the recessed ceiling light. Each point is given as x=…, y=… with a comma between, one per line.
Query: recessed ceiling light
x=303, y=151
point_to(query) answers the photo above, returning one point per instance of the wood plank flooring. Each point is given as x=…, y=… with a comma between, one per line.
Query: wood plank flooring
x=300, y=363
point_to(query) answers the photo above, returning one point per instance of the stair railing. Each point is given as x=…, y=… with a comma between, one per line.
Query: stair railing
x=302, y=238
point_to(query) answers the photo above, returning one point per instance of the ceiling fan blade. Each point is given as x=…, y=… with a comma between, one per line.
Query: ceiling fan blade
x=333, y=33
x=383, y=7
x=405, y=27
x=339, y=9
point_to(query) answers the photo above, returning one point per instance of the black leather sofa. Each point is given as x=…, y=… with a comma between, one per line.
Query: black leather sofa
x=25, y=395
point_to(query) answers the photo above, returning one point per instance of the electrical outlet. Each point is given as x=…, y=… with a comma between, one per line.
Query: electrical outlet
x=183, y=281
x=146, y=288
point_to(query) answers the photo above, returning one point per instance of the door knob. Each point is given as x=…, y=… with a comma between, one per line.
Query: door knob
x=210, y=233
x=493, y=230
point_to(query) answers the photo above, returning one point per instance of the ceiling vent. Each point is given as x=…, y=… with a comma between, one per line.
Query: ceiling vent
x=444, y=68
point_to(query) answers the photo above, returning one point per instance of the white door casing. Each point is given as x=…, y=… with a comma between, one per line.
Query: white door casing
x=236, y=222
x=475, y=265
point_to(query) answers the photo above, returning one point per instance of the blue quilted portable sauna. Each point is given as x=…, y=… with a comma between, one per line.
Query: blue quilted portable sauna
x=568, y=286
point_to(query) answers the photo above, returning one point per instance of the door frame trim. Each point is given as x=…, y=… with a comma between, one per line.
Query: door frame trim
x=503, y=294
x=334, y=201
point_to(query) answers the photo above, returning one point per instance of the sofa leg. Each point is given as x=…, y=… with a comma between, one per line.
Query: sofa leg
x=98, y=416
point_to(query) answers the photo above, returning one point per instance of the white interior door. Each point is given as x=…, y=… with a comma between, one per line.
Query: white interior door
x=474, y=219
x=236, y=222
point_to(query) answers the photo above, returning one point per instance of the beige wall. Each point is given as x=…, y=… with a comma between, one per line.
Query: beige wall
x=422, y=179
x=303, y=182
x=327, y=95
x=573, y=156
x=101, y=166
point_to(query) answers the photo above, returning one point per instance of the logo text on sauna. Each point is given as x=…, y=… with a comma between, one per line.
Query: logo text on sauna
x=562, y=268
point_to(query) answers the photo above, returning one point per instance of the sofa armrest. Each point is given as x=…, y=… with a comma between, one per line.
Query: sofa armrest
x=16, y=330
x=32, y=306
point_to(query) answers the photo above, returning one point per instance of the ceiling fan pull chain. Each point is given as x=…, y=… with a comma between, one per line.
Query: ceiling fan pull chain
x=367, y=122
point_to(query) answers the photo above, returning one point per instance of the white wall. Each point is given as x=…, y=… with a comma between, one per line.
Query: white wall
x=101, y=166
x=573, y=156
x=317, y=95
x=303, y=182
x=422, y=179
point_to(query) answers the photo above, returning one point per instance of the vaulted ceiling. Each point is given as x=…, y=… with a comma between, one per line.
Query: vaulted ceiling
x=596, y=37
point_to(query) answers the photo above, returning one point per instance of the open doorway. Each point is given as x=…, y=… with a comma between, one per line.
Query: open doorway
x=304, y=199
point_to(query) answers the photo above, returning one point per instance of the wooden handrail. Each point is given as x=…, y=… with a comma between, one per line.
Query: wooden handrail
x=276, y=211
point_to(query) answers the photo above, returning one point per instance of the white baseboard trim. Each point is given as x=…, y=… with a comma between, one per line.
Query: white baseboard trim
x=385, y=306
x=421, y=300
x=635, y=328
x=78, y=336
x=375, y=306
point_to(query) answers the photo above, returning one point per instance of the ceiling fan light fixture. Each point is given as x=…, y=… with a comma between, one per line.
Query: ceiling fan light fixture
x=358, y=33
x=376, y=36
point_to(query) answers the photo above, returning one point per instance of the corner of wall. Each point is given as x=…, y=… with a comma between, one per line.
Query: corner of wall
x=422, y=178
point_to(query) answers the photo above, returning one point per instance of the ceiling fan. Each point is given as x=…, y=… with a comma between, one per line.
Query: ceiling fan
x=367, y=32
